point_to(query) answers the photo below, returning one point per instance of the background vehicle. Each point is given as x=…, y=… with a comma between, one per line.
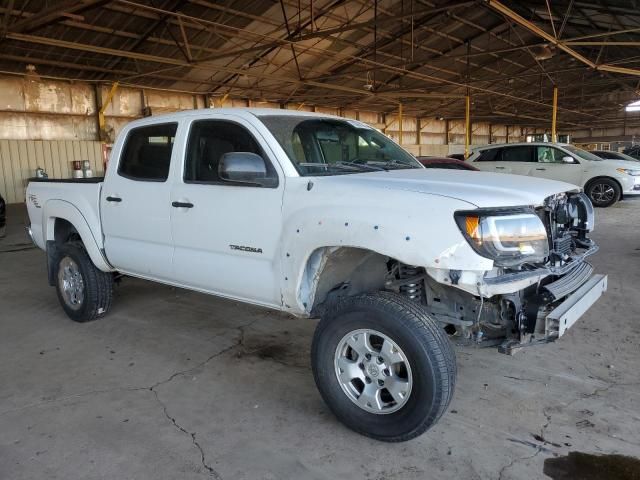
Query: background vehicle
x=324, y=217
x=457, y=156
x=604, y=181
x=445, y=162
x=3, y=217
x=633, y=151
x=611, y=155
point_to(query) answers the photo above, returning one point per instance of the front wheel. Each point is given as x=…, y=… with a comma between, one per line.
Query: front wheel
x=383, y=366
x=84, y=291
x=603, y=192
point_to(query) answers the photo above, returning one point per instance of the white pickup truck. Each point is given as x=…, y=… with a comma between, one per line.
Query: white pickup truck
x=320, y=216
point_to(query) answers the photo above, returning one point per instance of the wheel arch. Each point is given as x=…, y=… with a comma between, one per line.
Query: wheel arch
x=338, y=271
x=64, y=223
x=600, y=177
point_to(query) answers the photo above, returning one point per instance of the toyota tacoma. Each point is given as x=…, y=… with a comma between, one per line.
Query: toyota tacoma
x=325, y=217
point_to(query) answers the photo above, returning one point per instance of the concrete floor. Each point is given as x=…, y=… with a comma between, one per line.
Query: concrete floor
x=174, y=384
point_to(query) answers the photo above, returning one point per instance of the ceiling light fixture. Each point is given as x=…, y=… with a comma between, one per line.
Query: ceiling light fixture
x=31, y=74
x=633, y=106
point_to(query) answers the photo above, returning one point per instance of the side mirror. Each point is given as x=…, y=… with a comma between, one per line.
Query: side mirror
x=568, y=159
x=245, y=167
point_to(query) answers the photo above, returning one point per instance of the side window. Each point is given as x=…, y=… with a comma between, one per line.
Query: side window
x=146, y=155
x=298, y=149
x=550, y=155
x=517, y=154
x=490, y=155
x=208, y=141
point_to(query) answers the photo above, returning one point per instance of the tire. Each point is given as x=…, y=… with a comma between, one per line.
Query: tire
x=84, y=291
x=427, y=375
x=603, y=192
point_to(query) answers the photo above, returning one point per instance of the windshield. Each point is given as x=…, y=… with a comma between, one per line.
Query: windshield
x=624, y=156
x=324, y=146
x=580, y=153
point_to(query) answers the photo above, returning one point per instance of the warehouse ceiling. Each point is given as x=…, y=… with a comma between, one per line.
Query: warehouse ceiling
x=363, y=54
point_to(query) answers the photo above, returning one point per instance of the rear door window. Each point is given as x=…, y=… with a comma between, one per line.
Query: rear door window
x=517, y=154
x=490, y=155
x=146, y=155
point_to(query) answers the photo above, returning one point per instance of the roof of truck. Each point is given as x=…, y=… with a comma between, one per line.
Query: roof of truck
x=258, y=112
x=246, y=113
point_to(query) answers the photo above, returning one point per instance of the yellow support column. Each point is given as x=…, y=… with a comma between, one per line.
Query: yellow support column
x=105, y=104
x=554, y=118
x=467, y=126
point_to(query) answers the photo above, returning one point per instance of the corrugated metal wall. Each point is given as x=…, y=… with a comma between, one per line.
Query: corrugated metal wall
x=20, y=158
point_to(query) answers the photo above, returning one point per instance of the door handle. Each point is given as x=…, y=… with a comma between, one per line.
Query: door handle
x=113, y=199
x=540, y=168
x=182, y=204
x=499, y=168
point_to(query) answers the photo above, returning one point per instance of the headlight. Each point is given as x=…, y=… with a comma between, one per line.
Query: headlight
x=506, y=237
x=629, y=171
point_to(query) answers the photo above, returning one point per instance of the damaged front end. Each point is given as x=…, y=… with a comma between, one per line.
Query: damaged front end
x=541, y=284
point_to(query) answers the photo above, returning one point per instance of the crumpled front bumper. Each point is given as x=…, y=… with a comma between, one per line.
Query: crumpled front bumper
x=568, y=299
x=574, y=306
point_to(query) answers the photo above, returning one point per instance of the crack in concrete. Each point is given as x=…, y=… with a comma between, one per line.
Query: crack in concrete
x=135, y=389
x=153, y=389
x=181, y=373
x=526, y=379
x=516, y=460
x=195, y=442
x=539, y=448
x=18, y=249
x=71, y=396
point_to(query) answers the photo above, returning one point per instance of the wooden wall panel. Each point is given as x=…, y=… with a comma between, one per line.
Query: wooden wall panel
x=19, y=160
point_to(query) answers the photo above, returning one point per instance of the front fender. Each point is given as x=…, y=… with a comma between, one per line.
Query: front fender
x=55, y=209
x=411, y=227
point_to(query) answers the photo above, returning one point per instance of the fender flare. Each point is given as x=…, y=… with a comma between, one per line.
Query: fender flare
x=55, y=209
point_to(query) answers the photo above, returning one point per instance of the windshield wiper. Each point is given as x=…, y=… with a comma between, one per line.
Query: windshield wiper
x=393, y=165
x=362, y=166
x=340, y=167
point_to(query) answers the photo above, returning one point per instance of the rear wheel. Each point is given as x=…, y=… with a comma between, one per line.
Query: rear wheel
x=84, y=291
x=603, y=192
x=383, y=366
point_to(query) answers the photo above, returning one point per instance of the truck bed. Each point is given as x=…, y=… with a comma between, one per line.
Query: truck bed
x=67, y=180
x=74, y=199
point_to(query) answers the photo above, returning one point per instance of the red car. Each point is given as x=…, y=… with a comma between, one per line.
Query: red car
x=444, y=162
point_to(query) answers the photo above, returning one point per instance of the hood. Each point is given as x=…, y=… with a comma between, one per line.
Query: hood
x=631, y=165
x=482, y=189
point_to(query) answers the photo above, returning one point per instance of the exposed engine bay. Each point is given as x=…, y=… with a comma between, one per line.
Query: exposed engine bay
x=513, y=320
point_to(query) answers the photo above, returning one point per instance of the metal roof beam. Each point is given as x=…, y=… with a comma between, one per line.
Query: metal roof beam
x=53, y=14
x=533, y=28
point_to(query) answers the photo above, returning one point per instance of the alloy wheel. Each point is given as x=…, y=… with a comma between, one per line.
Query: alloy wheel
x=373, y=371
x=71, y=283
x=602, y=193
